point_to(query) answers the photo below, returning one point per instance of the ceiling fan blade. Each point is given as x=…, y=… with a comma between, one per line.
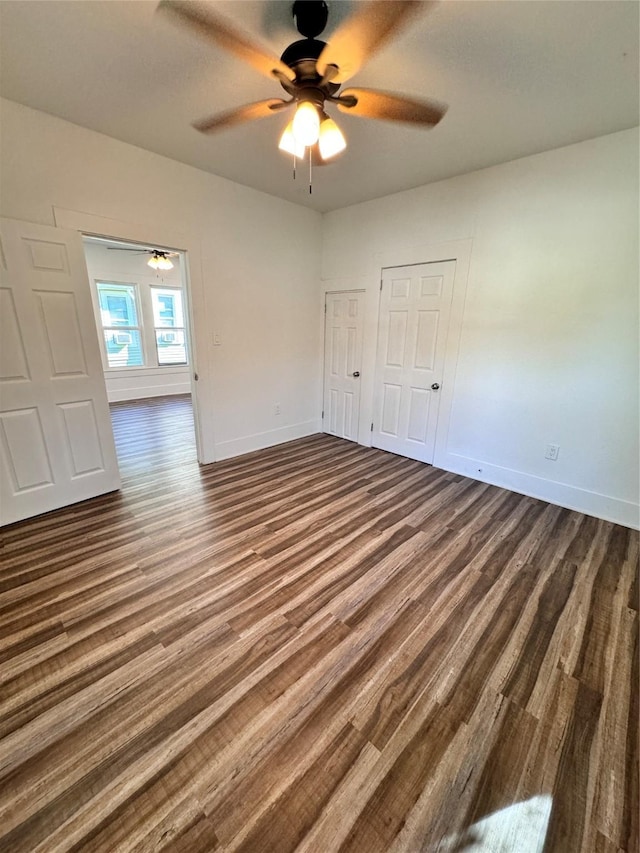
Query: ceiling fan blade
x=215, y=28
x=363, y=33
x=123, y=249
x=248, y=112
x=371, y=103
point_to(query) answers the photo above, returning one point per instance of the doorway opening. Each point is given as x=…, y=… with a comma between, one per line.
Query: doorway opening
x=142, y=319
x=154, y=437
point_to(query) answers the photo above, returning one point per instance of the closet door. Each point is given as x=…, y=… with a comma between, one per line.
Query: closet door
x=415, y=303
x=344, y=316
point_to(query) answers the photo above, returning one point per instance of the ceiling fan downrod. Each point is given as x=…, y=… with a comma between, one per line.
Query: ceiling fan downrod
x=310, y=17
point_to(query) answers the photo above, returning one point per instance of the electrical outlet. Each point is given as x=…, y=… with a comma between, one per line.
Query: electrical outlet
x=216, y=339
x=276, y=408
x=551, y=452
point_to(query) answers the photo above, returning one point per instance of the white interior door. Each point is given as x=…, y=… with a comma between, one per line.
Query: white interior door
x=415, y=303
x=344, y=315
x=56, y=439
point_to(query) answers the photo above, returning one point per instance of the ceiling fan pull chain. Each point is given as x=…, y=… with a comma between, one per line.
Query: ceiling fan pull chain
x=310, y=170
x=294, y=167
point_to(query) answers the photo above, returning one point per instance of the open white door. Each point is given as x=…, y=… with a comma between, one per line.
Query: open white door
x=415, y=302
x=56, y=439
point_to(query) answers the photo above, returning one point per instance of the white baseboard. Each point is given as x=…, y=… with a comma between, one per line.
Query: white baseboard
x=560, y=494
x=121, y=394
x=260, y=440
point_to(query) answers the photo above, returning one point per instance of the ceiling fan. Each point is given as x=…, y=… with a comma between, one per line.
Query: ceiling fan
x=159, y=259
x=311, y=71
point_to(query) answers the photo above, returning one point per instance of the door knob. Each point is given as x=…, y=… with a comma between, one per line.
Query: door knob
x=435, y=386
x=356, y=373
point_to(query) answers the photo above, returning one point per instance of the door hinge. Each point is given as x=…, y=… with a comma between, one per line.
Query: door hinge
x=195, y=377
x=372, y=427
x=323, y=415
x=380, y=284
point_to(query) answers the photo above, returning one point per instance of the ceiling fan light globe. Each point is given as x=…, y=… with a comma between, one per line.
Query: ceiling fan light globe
x=306, y=124
x=289, y=144
x=331, y=141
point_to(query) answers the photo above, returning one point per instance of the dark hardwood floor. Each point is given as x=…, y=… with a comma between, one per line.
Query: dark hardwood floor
x=316, y=647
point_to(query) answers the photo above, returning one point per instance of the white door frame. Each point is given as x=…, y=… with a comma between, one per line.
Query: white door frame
x=458, y=251
x=98, y=226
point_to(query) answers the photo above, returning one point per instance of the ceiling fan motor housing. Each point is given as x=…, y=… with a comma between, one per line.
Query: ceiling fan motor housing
x=303, y=50
x=301, y=57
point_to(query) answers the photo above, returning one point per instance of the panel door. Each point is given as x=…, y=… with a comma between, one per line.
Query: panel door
x=56, y=439
x=415, y=303
x=344, y=316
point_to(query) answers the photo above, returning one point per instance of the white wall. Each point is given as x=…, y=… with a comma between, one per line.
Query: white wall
x=256, y=286
x=549, y=334
x=104, y=264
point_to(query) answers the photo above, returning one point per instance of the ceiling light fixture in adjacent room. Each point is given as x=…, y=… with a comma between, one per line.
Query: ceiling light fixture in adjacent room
x=159, y=261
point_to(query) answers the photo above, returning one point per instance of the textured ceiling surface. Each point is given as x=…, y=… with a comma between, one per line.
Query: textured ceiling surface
x=519, y=76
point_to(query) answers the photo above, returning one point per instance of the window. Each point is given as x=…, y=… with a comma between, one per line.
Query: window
x=143, y=320
x=121, y=327
x=168, y=321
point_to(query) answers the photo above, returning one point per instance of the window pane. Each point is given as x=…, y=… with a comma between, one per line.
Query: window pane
x=171, y=347
x=167, y=308
x=118, y=304
x=124, y=349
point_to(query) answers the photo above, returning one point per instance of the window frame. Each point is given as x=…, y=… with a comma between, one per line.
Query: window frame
x=147, y=327
x=164, y=329
x=130, y=328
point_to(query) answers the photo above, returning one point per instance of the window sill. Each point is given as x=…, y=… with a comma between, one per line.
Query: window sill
x=121, y=372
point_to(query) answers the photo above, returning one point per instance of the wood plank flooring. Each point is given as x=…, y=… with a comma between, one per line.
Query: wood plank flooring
x=316, y=647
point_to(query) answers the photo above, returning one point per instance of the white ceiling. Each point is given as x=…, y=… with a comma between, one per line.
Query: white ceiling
x=520, y=77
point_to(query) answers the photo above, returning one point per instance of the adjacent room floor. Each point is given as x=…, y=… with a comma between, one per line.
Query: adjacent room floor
x=316, y=647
